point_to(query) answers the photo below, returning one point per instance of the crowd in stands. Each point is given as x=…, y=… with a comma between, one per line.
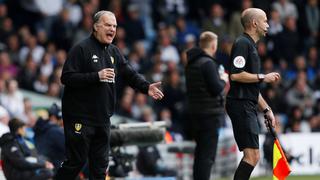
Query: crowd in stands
x=35, y=37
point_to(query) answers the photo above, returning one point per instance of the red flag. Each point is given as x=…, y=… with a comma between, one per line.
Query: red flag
x=281, y=168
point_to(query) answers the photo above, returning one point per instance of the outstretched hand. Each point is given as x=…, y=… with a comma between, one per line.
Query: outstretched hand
x=154, y=91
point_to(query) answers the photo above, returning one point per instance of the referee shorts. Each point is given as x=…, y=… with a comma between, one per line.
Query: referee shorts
x=244, y=118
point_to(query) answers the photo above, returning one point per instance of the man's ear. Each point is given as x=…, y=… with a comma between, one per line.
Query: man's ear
x=95, y=27
x=254, y=23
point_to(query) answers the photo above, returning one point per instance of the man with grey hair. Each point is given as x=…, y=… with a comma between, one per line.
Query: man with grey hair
x=244, y=94
x=90, y=75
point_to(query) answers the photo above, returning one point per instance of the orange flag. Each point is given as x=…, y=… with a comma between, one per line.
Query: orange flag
x=281, y=168
x=168, y=138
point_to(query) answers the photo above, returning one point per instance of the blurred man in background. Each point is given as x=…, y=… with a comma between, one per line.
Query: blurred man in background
x=20, y=159
x=49, y=136
x=205, y=91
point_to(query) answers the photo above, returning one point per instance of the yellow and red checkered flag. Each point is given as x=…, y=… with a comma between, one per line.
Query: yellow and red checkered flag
x=281, y=168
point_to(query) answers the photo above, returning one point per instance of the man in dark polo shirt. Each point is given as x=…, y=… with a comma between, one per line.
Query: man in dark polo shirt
x=244, y=94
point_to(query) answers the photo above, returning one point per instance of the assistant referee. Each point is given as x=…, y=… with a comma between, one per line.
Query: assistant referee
x=244, y=94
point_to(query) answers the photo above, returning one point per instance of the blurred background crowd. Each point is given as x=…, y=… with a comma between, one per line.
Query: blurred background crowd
x=35, y=36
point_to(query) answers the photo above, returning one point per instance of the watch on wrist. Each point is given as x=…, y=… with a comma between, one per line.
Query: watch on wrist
x=261, y=77
x=266, y=109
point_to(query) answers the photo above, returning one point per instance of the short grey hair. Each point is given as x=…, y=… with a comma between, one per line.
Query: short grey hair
x=98, y=15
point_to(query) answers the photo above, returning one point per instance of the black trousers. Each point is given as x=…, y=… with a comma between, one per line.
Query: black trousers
x=85, y=142
x=205, y=133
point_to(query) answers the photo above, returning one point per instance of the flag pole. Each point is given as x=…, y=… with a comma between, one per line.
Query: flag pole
x=280, y=170
x=269, y=126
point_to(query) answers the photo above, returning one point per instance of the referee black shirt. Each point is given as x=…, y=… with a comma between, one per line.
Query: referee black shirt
x=244, y=57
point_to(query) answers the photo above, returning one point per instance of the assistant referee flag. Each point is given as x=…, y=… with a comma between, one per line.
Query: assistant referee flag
x=281, y=168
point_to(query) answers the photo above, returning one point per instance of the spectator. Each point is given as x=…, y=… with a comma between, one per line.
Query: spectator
x=4, y=120
x=297, y=121
x=309, y=23
x=46, y=65
x=55, y=77
x=62, y=30
x=134, y=61
x=144, y=62
x=169, y=10
x=275, y=23
x=168, y=51
x=28, y=116
x=7, y=69
x=185, y=29
x=314, y=122
x=41, y=84
x=54, y=90
x=147, y=115
x=287, y=43
x=216, y=23
x=42, y=37
x=285, y=8
x=6, y=29
x=120, y=41
x=299, y=65
x=84, y=30
x=3, y=13
x=13, y=49
x=275, y=27
x=125, y=108
x=75, y=11
x=33, y=48
x=28, y=73
x=19, y=161
x=140, y=102
x=133, y=25
x=301, y=95
x=156, y=73
x=235, y=26
x=12, y=99
x=174, y=99
x=61, y=56
x=49, y=136
x=117, y=8
x=313, y=64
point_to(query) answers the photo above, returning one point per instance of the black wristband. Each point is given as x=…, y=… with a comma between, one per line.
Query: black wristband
x=266, y=109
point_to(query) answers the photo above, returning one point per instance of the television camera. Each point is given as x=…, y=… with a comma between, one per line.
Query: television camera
x=128, y=134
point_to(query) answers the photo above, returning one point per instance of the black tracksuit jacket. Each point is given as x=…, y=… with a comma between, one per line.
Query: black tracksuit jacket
x=85, y=98
x=13, y=155
x=204, y=86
